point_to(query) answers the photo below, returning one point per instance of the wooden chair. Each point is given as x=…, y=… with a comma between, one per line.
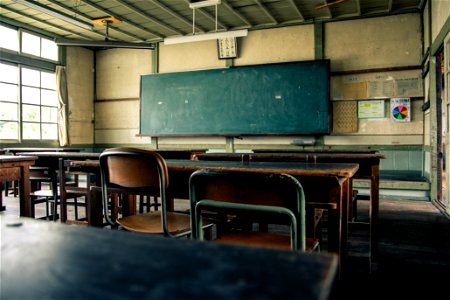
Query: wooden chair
x=130, y=171
x=42, y=190
x=270, y=198
x=73, y=191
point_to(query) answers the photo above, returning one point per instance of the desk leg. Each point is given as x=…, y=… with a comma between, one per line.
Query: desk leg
x=346, y=199
x=2, y=207
x=374, y=212
x=26, y=209
x=94, y=208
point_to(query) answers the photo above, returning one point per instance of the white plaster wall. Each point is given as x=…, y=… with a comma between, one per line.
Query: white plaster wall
x=118, y=72
x=384, y=42
x=295, y=43
x=80, y=81
x=189, y=56
x=118, y=86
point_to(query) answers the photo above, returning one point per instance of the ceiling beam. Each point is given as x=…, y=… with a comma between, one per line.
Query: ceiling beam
x=88, y=18
x=236, y=13
x=176, y=15
x=46, y=23
x=297, y=9
x=148, y=17
x=111, y=14
x=209, y=16
x=358, y=7
x=266, y=11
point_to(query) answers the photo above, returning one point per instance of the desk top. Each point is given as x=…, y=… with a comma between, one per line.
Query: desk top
x=292, y=168
x=13, y=158
x=71, y=262
x=310, y=156
x=39, y=149
x=68, y=155
x=316, y=150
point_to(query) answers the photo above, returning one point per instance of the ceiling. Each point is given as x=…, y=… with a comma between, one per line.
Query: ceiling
x=153, y=20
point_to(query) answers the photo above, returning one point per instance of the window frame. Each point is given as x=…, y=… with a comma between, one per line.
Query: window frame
x=23, y=60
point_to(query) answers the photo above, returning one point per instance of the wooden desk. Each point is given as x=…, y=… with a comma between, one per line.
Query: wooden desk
x=39, y=149
x=72, y=262
x=18, y=168
x=52, y=161
x=369, y=169
x=323, y=182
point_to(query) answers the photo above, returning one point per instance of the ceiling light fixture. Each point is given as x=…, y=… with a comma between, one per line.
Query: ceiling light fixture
x=54, y=13
x=207, y=36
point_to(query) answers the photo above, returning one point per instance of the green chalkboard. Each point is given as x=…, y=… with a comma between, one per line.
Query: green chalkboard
x=272, y=99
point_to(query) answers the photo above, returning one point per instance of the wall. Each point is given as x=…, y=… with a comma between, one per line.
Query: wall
x=355, y=45
x=117, y=95
x=80, y=80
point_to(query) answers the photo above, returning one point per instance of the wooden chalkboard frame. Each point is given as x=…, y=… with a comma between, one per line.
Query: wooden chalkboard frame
x=282, y=99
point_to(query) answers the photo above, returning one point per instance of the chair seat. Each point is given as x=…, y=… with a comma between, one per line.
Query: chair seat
x=151, y=223
x=264, y=240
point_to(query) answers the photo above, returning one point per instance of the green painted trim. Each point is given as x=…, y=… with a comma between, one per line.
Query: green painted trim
x=318, y=40
x=439, y=40
x=229, y=63
x=24, y=60
x=229, y=144
x=155, y=59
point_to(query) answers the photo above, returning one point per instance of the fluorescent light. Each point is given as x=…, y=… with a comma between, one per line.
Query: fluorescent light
x=204, y=3
x=54, y=13
x=204, y=37
x=111, y=44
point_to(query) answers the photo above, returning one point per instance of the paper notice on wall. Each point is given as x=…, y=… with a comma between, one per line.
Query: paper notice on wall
x=401, y=109
x=407, y=87
x=380, y=89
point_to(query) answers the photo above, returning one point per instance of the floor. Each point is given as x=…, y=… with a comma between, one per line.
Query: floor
x=414, y=247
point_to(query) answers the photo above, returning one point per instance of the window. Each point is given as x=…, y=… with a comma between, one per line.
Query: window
x=38, y=46
x=28, y=98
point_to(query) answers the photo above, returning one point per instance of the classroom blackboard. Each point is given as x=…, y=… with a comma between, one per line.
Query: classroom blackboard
x=273, y=99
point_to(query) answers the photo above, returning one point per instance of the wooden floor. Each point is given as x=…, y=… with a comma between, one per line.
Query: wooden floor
x=414, y=258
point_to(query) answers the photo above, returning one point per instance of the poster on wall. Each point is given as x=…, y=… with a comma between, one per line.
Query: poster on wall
x=401, y=109
x=371, y=109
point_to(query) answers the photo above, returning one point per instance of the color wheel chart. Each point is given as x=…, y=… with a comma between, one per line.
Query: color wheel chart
x=400, y=109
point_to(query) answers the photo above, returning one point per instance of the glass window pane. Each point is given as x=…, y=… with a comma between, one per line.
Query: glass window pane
x=9, y=130
x=31, y=95
x=9, y=73
x=31, y=77
x=31, y=131
x=9, y=111
x=49, y=131
x=49, y=98
x=8, y=92
x=10, y=38
x=48, y=80
x=31, y=44
x=49, y=49
x=49, y=114
x=31, y=113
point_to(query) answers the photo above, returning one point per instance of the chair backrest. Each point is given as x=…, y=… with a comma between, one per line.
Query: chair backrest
x=268, y=195
x=134, y=171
